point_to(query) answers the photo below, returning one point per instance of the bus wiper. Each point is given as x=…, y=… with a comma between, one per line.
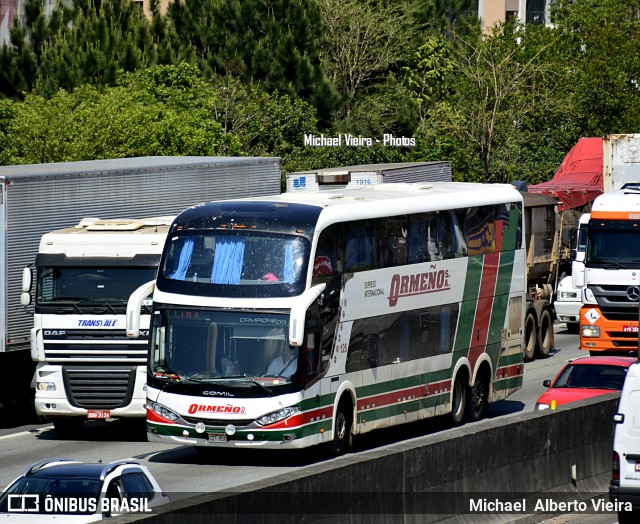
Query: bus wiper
x=250, y=379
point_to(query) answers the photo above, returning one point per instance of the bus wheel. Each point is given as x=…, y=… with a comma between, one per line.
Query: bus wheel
x=476, y=400
x=458, y=402
x=342, y=438
x=545, y=334
x=68, y=427
x=530, y=337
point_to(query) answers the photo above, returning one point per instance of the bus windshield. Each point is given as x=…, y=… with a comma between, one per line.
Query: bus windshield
x=234, y=264
x=213, y=346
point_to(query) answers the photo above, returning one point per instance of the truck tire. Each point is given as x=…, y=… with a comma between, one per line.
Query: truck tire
x=530, y=337
x=544, y=335
x=68, y=427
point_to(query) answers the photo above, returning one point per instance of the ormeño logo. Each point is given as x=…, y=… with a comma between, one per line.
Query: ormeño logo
x=418, y=284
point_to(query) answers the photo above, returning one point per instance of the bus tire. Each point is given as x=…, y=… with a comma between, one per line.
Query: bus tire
x=545, y=334
x=458, y=401
x=68, y=427
x=343, y=422
x=476, y=399
x=530, y=337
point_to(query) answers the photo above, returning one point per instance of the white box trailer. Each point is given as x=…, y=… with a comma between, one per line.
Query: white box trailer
x=38, y=198
x=368, y=174
x=621, y=160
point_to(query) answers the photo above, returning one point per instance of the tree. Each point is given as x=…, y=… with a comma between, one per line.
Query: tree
x=272, y=43
x=485, y=91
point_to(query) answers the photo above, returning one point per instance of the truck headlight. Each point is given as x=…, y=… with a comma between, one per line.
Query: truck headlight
x=590, y=331
x=46, y=386
x=277, y=416
x=540, y=406
x=568, y=295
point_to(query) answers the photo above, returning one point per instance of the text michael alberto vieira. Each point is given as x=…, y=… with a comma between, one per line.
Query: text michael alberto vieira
x=546, y=505
x=345, y=139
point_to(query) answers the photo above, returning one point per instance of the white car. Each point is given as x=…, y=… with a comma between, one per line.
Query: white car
x=567, y=305
x=79, y=492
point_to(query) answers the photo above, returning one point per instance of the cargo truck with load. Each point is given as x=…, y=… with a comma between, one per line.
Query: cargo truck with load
x=38, y=198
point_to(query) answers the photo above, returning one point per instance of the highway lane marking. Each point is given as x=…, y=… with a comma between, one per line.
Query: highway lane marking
x=23, y=433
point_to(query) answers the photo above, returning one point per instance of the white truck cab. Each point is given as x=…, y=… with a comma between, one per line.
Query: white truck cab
x=625, y=482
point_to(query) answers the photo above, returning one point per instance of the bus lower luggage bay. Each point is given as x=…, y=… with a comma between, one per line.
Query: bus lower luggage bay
x=307, y=318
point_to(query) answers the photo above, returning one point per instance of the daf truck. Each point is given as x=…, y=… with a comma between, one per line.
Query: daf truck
x=86, y=366
x=38, y=198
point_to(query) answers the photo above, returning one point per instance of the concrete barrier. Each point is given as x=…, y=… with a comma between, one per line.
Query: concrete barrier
x=431, y=478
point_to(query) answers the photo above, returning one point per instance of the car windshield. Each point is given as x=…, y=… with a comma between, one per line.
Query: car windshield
x=213, y=346
x=29, y=494
x=592, y=376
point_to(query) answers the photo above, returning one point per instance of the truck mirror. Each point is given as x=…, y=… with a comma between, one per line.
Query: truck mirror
x=26, y=280
x=577, y=274
x=25, y=299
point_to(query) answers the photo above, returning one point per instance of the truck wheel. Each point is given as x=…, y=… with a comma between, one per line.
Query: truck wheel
x=68, y=427
x=545, y=334
x=530, y=337
x=458, y=402
x=342, y=438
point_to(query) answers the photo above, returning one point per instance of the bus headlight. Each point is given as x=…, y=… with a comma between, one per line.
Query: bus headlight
x=164, y=412
x=540, y=406
x=277, y=416
x=590, y=331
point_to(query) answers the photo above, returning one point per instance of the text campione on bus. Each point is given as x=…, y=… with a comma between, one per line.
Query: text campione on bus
x=308, y=318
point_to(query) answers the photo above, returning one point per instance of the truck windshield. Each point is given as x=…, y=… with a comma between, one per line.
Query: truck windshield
x=89, y=286
x=234, y=264
x=613, y=246
x=207, y=346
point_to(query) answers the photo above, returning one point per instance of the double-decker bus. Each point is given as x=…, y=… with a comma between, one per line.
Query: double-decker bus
x=308, y=318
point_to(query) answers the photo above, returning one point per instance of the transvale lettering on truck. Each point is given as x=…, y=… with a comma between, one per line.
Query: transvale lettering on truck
x=380, y=305
x=86, y=365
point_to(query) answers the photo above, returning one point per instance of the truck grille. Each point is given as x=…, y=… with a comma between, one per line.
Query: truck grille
x=99, y=387
x=76, y=346
x=614, y=303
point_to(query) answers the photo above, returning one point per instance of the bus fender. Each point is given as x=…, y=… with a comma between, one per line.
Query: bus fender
x=346, y=388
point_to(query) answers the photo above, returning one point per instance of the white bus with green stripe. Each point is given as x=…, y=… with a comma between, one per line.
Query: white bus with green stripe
x=385, y=304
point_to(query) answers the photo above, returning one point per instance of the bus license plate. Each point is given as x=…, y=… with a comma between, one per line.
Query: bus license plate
x=98, y=413
x=217, y=437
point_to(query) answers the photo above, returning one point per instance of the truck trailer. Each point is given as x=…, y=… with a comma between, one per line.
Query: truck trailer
x=39, y=198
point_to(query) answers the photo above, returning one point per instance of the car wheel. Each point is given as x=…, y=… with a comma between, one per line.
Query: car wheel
x=530, y=337
x=342, y=437
x=68, y=427
x=458, y=402
x=627, y=517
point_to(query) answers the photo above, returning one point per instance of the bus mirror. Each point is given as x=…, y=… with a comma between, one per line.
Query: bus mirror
x=26, y=280
x=133, y=308
x=299, y=313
